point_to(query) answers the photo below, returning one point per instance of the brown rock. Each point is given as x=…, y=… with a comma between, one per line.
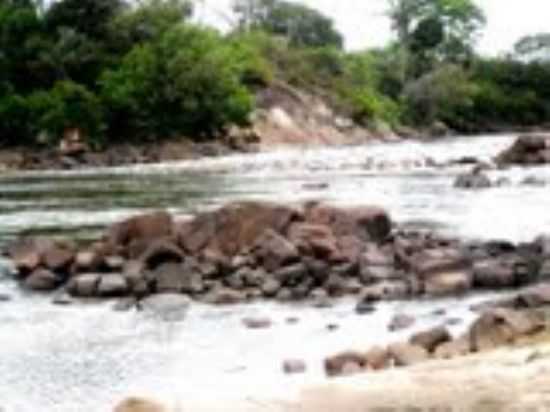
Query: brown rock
x=57, y=258
x=87, y=260
x=365, y=223
x=112, y=285
x=224, y=296
x=432, y=338
x=334, y=366
x=404, y=354
x=257, y=323
x=313, y=240
x=235, y=227
x=42, y=280
x=387, y=290
x=26, y=253
x=378, y=358
x=494, y=273
x=501, y=326
x=274, y=251
x=161, y=251
x=146, y=227
x=453, y=349
x=140, y=405
x=448, y=283
x=177, y=278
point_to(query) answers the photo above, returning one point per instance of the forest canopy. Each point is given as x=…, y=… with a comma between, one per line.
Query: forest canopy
x=122, y=71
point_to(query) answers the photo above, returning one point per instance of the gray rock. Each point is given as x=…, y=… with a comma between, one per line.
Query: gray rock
x=112, y=285
x=84, y=285
x=294, y=366
x=472, y=181
x=291, y=275
x=271, y=287
x=42, y=280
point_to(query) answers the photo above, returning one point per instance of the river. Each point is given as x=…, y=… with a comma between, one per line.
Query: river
x=84, y=358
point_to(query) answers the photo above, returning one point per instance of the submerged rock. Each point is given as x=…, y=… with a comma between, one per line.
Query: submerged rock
x=473, y=180
x=167, y=306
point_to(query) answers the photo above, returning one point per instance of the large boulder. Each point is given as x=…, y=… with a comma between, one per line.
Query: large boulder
x=453, y=348
x=161, y=251
x=448, y=283
x=505, y=271
x=235, y=227
x=26, y=253
x=365, y=222
x=501, y=326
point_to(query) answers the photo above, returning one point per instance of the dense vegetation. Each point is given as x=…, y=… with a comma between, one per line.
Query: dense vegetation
x=120, y=71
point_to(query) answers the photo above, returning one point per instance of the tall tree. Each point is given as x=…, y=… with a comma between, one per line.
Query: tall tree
x=431, y=31
x=301, y=25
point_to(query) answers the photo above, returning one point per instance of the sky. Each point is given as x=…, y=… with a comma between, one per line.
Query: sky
x=364, y=24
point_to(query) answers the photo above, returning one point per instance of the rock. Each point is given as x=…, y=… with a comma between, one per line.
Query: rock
x=125, y=304
x=533, y=181
x=313, y=240
x=335, y=365
x=88, y=260
x=57, y=258
x=257, y=323
x=433, y=261
x=377, y=358
x=448, y=283
x=291, y=275
x=84, y=286
x=534, y=297
x=161, y=251
x=274, y=251
x=112, y=285
x=503, y=272
x=143, y=228
x=452, y=349
x=473, y=180
x=401, y=321
x=167, y=306
x=177, y=278
x=365, y=223
x=114, y=263
x=387, y=290
x=4, y=297
x=364, y=308
x=139, y=405
x=404, y=354
x=270, y=287
x=223, y=296
x=234, y=228
x=42, y=280
x=501, y=326
x=526, y=150
x=62, y=299
x=432, y=338
x=26, y=253
x=294, y=366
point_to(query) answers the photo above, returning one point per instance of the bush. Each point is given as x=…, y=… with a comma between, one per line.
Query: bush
x=15, y=121
x=66, y=105
x=186, y=82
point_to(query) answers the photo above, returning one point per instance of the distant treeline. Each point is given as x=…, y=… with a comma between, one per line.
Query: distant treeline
x=125, y=72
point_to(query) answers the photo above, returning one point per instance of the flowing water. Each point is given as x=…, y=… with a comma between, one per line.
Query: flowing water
x=83, y=358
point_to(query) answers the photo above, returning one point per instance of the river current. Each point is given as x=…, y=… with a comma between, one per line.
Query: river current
x=84, y=358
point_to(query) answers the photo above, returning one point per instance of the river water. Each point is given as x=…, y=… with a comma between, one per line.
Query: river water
x=84, y=358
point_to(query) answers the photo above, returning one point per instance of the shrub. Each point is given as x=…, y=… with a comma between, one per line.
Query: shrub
x=186, y=82
x=66, y=105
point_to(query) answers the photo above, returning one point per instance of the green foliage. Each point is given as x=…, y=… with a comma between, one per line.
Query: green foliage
x=67, y=105
x=186, y=82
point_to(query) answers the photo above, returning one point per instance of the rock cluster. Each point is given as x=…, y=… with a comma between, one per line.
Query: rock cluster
x=494, y=328
x=251, y=250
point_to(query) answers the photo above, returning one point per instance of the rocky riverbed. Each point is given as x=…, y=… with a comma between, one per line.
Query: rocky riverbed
x=286, y=269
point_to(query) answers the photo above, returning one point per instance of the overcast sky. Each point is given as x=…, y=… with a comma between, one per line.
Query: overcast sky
x=364, y=24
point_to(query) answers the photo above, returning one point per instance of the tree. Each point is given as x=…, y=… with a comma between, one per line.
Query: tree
x=432, y=31
x=536, y=46
x=186, y=82
x=301, y=25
